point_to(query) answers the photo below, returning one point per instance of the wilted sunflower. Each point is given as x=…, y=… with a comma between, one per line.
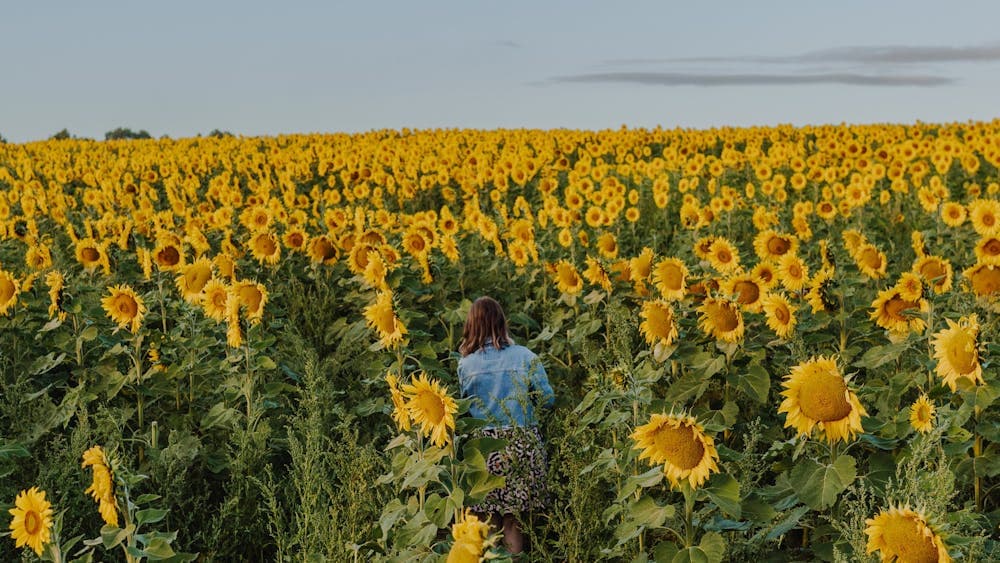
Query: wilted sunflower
x=681, y=445
x=193, y=278
x=658, y=326
x=747, y=291
x=770, y=244
x=900, y=534
x=399, y=413
x=429, y=405
x=984, y=279
x=956, y=349
x=265, y=248
x=816, y=394
x=471, y=538
x=780, y=315
x=922, y=414
x=567, y=279
x=936, y=271
x=31, y=524
x=322, y=250
x=898, y=315
x=820, y=295
x=102, y=488
x=383, y=319
x=56, y=282
x=124, y=307
x=721, y=319
x=38, y=257
x=723, y=256
x=9, y=290
x=670, y=278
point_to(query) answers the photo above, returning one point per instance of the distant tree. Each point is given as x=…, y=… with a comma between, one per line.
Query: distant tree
x=219, y=134
x=126, y=133
x=2, y=139
x=61, y=135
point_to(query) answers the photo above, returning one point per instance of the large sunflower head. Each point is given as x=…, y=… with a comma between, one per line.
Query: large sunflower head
x=816, y=395
x=124, y=307
x=429, y=405
x=658, y=325
x=956, y=349
x=322, y=250
x=898, y=315
x=721, y=319
x=567, y=279
x=265, y=248
x=936, y=271
x=9, y=290
x=871, y=261
x=723, y=256
x=91, y=255
x=747, y=291
x=984, y=279
x=678, y=442
x=193, y=278
x=985, y=216
x=901, y=534
x=31, y=524
x=381, y=316
x=988, y=250
x=780, y=314
x=670, y=278
x=215, y=299
x=770, y=244
x=168, y=255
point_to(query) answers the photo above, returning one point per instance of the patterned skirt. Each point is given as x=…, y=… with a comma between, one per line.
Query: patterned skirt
x=522, y=462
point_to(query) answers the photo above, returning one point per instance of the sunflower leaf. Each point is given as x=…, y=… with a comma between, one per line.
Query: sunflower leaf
x=818, y=485
x=725, y=493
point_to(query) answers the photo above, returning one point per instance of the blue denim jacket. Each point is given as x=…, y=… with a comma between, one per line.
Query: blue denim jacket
x=504, y=385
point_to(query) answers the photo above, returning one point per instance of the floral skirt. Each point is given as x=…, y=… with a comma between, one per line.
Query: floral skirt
x=522, y=462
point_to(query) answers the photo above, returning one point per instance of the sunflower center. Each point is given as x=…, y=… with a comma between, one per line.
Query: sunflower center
x=251, y=298
x=895, y=307
x=169, y=256
x=431, y=406
x=6, y=290
x=126, y=306
x=724, y=256
x=823, y=397
x=672, y=277
x=794, y=271
x=870, y=257
x=778, y=246
x=725, y=318
x=748, y=292
x=90, y=254
x=989, y=219
x=660, y=321
x=324, y=249
x=986, y=281
x=992, y=247
x=680, y=446
x=32, y=522
x=266, y=245
x=904, y=540
x=961, y=351
x=781, y=313
x=923, y=413
x=931, y=270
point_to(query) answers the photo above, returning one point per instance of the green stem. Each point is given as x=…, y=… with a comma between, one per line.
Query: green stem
x=688, y=515
x=977, y=451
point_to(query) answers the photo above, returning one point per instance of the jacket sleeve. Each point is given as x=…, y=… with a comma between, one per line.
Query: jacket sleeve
x=540, y=383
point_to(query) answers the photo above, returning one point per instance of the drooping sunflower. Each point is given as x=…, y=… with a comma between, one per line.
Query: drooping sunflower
x=901, y=534
x=679, y=443
x=723, y=256
x=658, y=326
x=322, y=250
x=936, y=271
x=984, y=279
x=400, y=415
x=31, y=524
x=383, y=319
x=429, y=405
x=192, y=279
x=816, y=395
x=9, y=290
x=922, y=415
x=357, y=260
x=956, y=349
x=597, y=274
x=568, y=280
x=124, y=307
x=265, y=248
x=38, y=257
x=770, y=244
x=721, y=319
x=747, y=291
x=102, y=488
x=780, y=314
x=375, y=271
x=670, y=278
x=471, y=537
x=56, y=283
x=898, y=315
x=215, y=299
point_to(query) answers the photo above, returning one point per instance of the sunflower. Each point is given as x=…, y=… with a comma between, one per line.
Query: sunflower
x=56, y=283
x=607, y=245
x=770, y=244
x=265, y=248
x=399, y=413
x=249, y=296
x=429, y=405
x=747, y=291
x=295, y=239
x=678, y=442
x=225, y=265
x=900, y=534
x=766, y=273
x=898, y=315
x=816, y=394
x=597, y=274
x=658, y=325
x=640, y=267
x=922, y=415
x=721, y=319
x=936, y=271
x=415, y=244
x=723, y=256
x=956, y=349
x=38, y=257
x=102, y=487
x=9, y=290
x=780, y=314
x=703, y=245
x=91, y=254
x=471, y=538
x=988, y=250
x=669, y=277
x=322, y=250
x=215, y=298
x=375, y=271
x=910, y=286
x=853, y=240
x=953, y=214
x=357, y=260
x=124, y=307
x=985, y=216
x=383, y=319
x=169, y=256
x=793, y=272
x=984, y=278
x=192, y=279
x=870, y=260
x=567, y=278
x=31, y=524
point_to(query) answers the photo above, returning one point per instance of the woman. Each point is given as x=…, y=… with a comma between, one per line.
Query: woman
x=505, y=382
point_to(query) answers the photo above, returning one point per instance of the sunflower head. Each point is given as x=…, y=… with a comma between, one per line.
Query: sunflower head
x=322, y=250
x=658, y=325
x=816, y=395
x=265, y=248
x=984, y=279
x=31, y=524
x=723, y=256
x=935, y=271
x=900, y=316
x=679, y=443
x=922, y=414
x=956, y=349
x=780, y=315
x=429, y=405
x=192, y=279
x=399, y=413
x=721, y=319
x=215, y=299
x=124, y=307
x=670, y=278
x=901, y=534
x=9, y=290
x=381, y=317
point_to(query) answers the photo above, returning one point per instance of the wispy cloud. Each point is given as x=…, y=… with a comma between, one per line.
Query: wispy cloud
x=749, y=79
x=509, y=43
x=891, y=54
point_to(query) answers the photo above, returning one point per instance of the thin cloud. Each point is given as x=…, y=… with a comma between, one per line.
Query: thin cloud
x=509, y=43
x=891, y=54
x=710, y=80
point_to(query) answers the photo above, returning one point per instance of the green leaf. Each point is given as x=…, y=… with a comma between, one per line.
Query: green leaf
x=12, y=450
x=150, y=516
x=881, y=355
x=689, y=387
x=650, y=514
x=111, y=536
x=219, y=415
x=818, y=485
x=788, y=523
x=645, y=480
x=714, y=546
x=725, y=493
x=756, y=382
x=158, y=549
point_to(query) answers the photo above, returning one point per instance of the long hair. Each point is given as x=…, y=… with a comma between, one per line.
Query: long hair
x=486, y=324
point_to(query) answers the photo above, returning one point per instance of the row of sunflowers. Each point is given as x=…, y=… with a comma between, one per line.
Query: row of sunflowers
x=161, y=299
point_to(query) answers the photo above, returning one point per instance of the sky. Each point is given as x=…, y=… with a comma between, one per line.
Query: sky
x=184, y=68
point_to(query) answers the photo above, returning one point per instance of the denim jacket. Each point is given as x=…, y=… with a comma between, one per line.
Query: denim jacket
x=505, y=385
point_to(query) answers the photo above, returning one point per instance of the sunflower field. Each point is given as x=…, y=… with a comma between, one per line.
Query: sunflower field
x=766, y=344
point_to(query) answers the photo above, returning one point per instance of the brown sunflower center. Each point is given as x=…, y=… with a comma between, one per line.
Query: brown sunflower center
x=724, y=256
x=986, y=281
x=430, y=404
x=169, y=256
x=680, y=446
x=323, y=249
x=870, y=257
x=988, y=219
x=778, y=246
x=90, y=254
x=896, y=306
x=992, y=247
x=724, y=317
x=126, y=306
x=904, y=540
x=961, y=352
x=823, y=397
x=781, y=313
x=747, y=291
x=32, y=522
x=266, y=245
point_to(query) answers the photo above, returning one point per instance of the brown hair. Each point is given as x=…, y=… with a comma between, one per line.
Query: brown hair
x=485, y=324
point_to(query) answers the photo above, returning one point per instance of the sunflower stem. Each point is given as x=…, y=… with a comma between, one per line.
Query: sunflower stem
x=688, y=514
x=977, y=451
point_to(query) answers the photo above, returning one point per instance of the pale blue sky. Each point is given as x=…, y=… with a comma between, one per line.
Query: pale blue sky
x=181, y=68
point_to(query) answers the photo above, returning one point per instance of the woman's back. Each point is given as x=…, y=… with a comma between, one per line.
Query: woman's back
x=505, y=385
